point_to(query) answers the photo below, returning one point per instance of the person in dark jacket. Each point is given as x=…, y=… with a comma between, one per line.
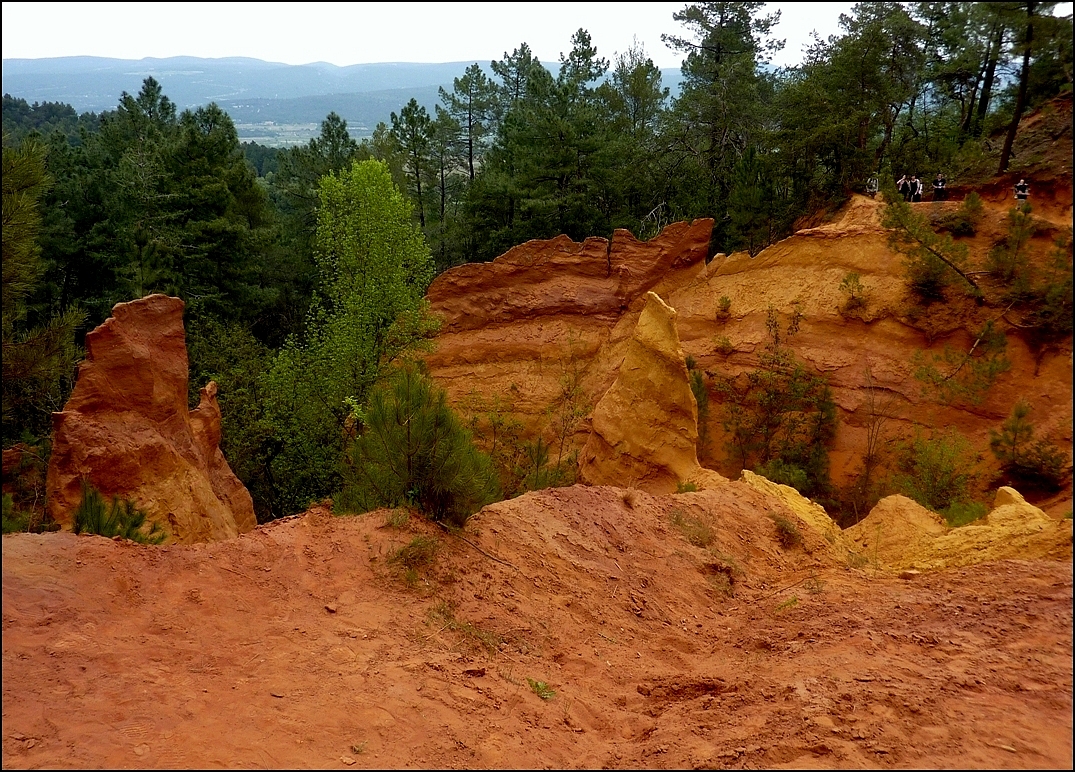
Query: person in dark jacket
x=903, y=185
x=940, y=192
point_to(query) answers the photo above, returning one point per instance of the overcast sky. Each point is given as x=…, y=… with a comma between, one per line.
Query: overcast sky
x=354, y=33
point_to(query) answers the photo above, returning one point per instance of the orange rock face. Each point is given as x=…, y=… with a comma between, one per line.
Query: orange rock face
x=521, y=327
x=558, y=277
x=126, y=430
x=516, y=328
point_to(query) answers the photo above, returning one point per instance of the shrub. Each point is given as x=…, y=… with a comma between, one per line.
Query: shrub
x=418, y=554
x=724, y=308
x=780, y=411
x=787, y=533
x=1048, y=305
x=541, y=689
x=724, y=345
x=852, y=286
x=931, y=262
x=695, y=531
x=414, y=450
x=397, y=518
x=964, y=221
x=785, y=474
x=937, y=472
x=1009, y=261
x=121, y=518
x=14, y=521
x=963, y=513
x=1026, y=462
x=956, y=376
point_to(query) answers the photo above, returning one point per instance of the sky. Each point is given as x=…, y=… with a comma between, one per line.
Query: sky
x=354, y=33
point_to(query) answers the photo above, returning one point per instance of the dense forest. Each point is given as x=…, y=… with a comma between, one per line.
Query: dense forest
x=140, y=199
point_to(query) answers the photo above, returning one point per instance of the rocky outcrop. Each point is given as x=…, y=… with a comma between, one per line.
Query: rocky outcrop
x=558, y=277
x=644, y=432
x=809, y=512
x=513, y=329
x=127, y=431
x=900, y=533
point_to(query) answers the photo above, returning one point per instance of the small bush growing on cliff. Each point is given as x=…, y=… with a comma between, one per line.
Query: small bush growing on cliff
x=1026, y=462
x=937, y=472
x=414, y=450
x=780, y=411
x=932, y=262
x=724, y=308
x=787, y=533
x=121, y=518
x=956, y=376
x=852, y=286
x=964, y=221
x=1045, y=299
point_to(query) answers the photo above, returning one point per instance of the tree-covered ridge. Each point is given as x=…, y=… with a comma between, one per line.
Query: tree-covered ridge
x=303, y=269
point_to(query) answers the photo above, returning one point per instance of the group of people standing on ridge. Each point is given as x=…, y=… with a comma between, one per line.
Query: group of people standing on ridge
x=911, y=188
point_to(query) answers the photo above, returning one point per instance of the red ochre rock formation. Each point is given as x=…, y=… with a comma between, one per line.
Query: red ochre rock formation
x=644, y=431
x=546, y=310
x=557, y=277
x=516, y=328
x=126, y=430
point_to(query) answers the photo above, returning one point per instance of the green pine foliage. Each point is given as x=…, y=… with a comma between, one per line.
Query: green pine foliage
x=938, y=472
x=121, y=518
x=965, y=220
x=38, y=359
x=779, y=416
x=413, y=449
x=932, y=263
x=1026, y=463
x=374, y=267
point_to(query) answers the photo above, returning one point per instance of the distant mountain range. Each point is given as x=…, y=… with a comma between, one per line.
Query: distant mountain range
x=273, y=103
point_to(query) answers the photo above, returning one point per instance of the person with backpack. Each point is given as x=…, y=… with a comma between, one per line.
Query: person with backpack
x=1022, y=190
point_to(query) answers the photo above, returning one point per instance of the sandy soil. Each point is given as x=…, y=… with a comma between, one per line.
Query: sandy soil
x=305, y=644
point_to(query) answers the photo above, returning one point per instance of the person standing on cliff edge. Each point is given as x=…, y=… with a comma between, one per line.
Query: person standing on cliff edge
x=939, y=187
x=1022, y=190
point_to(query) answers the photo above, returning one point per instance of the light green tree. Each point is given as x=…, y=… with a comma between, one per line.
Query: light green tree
x=374, y=266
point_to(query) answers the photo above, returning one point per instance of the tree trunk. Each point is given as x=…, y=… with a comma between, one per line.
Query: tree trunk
x=1020, y=102
x=990, y=76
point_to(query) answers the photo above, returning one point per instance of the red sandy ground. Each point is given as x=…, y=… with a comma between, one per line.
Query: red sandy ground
x=302, y=645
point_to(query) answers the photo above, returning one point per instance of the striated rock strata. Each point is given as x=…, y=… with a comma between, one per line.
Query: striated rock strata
x=127, y=430
x=517, y=328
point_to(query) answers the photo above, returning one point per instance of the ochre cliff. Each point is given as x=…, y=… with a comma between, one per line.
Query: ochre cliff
x=127, y=431
x=552, y=310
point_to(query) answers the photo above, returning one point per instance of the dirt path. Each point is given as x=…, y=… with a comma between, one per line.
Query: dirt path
x=300, y=645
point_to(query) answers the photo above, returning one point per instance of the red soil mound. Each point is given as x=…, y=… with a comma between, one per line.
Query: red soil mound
x=305, y=644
